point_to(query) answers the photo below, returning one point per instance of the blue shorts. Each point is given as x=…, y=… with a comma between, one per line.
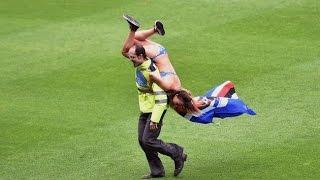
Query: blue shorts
x=162, y=51
x=166, y=73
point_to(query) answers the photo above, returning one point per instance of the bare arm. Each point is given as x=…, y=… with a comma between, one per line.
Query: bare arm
x=201, y=104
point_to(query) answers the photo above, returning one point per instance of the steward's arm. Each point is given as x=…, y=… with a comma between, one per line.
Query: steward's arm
x=160, y=103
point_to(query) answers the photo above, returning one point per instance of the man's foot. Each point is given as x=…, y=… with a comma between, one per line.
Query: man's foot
x=179, y=163
x=149, y=176
x=158, y=27
x=133, y=24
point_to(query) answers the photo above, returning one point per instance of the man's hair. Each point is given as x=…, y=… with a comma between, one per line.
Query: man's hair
x=140, y=50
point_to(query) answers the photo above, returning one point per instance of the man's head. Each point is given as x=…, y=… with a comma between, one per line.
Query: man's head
x=137, y=55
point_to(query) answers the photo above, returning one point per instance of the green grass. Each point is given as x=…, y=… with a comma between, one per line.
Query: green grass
x=68, y=101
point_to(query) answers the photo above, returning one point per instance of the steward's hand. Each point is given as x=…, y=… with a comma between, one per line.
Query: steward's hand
x=153, y=126
x=154, y=75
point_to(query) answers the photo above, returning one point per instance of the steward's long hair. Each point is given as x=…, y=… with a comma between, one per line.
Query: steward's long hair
x=187, y=103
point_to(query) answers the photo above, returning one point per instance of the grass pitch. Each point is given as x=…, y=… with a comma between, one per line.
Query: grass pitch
x=68, y=102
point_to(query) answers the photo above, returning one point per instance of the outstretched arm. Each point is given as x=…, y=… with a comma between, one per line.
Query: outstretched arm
x=201, y=103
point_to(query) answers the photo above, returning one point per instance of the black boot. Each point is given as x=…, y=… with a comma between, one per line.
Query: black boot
x=133, y=24
x=158, y=27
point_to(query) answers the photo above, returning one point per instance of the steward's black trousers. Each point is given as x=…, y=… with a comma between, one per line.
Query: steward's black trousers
x=151, y=145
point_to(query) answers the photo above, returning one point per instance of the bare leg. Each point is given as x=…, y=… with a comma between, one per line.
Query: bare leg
x=166, y=83
x=128, y=43
x=144, y=34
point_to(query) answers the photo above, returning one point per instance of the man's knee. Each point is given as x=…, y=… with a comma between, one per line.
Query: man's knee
x=149, y=142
